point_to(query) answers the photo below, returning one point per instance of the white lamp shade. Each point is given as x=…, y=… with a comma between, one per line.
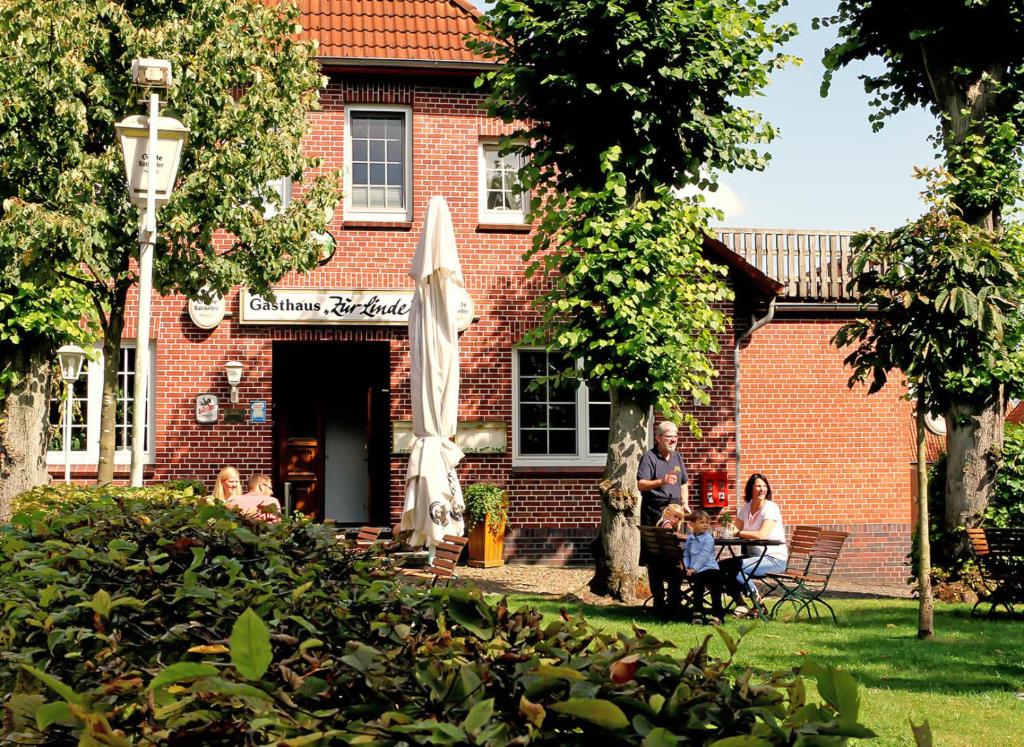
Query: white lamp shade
x=233, y=369
x=133, y=134
x=70, y=359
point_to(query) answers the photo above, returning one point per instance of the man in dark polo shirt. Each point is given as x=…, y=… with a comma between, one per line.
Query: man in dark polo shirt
x=661, y=477
x=662, y=480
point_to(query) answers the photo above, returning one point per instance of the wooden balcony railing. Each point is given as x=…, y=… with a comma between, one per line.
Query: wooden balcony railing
x=813, y=265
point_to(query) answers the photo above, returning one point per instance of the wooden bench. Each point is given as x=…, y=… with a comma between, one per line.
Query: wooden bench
x=1000, y=555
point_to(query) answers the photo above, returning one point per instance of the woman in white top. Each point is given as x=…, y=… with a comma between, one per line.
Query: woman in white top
x=758, y=518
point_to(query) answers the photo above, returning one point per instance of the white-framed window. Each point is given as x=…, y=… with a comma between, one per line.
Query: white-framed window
x=555, y=425
x=501, y=200
x=378, y=162
x=85, y=413
x=282, y=188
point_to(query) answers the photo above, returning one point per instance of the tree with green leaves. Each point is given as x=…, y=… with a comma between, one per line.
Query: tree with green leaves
x=243, y=86
x=940, y=300
x=624, y=102
x=963, y=60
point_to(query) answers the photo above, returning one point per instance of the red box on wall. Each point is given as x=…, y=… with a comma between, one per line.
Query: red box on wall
x=714, y=489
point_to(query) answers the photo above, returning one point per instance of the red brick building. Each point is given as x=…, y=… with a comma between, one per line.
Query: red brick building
x=325, y=408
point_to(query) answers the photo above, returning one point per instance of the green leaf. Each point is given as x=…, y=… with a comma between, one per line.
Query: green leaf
x=55, y=713
x=56, y=685
x=603, y=713
x=745, y=741
x=182, y=671
x=660, y=737
x=251, y=653
x=478, y=716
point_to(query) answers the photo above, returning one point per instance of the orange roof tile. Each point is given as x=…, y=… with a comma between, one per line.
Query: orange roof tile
x=1016, y=414
x=428, y=30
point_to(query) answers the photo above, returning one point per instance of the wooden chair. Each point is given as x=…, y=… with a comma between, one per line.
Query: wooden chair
x=1000, y=555
x=662, y=547
x=442, y=570
x=367, y=536
x=801, y=543
x=804, y=588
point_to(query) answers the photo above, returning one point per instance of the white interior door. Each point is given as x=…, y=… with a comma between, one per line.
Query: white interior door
x=346, y=471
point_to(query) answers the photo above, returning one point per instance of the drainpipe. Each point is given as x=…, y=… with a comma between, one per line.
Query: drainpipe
x=755, y=324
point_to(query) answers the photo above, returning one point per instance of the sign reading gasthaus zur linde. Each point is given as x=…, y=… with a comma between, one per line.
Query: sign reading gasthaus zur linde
x=326, y=306
x=346, y=306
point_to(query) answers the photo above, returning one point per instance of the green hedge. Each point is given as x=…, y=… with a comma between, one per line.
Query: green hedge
x=157, y=617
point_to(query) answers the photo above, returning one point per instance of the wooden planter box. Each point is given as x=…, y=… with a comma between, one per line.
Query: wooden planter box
x=487, y=545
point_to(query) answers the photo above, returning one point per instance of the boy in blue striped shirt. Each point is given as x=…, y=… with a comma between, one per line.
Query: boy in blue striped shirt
x=702, y=568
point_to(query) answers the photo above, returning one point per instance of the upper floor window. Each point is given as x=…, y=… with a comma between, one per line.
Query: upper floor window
x=282, y=189
x=501, y=200
x=378, y=168
x=86, y=401
x=556, y=425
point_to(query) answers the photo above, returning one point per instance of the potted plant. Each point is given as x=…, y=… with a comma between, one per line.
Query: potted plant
x=486, y=520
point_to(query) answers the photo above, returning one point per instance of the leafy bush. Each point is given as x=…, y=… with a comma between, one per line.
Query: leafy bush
x=1007, y=506
x=142, y=619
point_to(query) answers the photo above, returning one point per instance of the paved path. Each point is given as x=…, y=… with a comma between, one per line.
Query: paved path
x=560, y=582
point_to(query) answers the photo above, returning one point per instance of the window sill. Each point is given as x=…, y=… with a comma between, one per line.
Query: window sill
x=88, y=472
x=504, y=227
x=577, y=470
x=377, y=225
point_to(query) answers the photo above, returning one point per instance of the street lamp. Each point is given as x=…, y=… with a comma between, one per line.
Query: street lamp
x=70, y=358
x=151, y=146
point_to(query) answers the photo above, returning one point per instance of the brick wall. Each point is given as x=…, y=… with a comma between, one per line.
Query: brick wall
x=834, y=455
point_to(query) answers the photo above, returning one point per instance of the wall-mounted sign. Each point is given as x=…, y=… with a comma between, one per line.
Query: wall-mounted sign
x=234, y=415
x=326, y=306
x=207, y=315
x=464, y=313
x=207, y=408
x=344, y=306
x=258, y=410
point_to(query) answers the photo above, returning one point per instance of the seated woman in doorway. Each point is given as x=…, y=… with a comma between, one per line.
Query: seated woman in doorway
x=228, y=484
x=259, y=501
x=758, y=518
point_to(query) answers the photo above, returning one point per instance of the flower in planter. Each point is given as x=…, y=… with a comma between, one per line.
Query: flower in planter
x=484, y=499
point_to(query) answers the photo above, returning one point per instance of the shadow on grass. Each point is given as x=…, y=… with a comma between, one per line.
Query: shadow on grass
x=875, y=639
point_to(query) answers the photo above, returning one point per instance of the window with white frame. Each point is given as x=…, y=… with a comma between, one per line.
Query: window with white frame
x=87, y=399
x=555, y=425
x=378, y=163
x=282, y=189
x=501, y=199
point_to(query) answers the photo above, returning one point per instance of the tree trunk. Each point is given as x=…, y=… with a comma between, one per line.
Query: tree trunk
x=926, y=604
x=617, y=570
x=108, y=409
x=974, y=443
x=24, y=430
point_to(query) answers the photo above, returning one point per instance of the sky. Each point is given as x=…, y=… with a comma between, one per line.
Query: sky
x=828, y=170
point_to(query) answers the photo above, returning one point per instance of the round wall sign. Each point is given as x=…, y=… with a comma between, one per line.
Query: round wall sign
x=936, y=424
x=464, y=312
x=207, y=315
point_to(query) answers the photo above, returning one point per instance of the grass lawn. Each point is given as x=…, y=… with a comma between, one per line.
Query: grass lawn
x=964, y=681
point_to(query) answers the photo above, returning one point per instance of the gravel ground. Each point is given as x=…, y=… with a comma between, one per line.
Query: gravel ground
x=571, y=583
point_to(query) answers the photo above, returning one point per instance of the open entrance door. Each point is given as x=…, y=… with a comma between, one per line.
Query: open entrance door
x=332, y=429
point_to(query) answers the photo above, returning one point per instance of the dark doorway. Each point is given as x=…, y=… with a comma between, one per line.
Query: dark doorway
x=332, y=429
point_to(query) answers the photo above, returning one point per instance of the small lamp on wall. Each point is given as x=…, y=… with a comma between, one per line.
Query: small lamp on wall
x=233, y=370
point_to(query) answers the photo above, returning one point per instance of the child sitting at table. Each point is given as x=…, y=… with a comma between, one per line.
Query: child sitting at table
x=702, y=568
x=673, y=517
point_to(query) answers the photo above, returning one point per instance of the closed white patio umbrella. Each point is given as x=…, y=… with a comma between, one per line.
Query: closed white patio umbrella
x=433, y=497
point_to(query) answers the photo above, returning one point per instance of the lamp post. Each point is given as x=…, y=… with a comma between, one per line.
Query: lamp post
x=151, y=146
x=70, y=358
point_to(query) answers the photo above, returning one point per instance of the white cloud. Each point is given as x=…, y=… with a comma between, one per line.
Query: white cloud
x=724, y=199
